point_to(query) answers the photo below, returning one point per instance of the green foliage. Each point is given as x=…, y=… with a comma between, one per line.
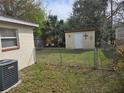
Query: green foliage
x=29, y=10
x=89, y=14
x=36, y=15
x=54, y=30
x=94, y=13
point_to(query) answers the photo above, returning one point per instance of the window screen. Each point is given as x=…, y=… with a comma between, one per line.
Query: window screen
x=8, y=37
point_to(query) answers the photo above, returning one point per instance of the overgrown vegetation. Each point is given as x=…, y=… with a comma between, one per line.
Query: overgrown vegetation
x=53, y=31
x=119, y=56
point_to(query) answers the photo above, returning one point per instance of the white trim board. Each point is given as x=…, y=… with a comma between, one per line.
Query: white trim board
x=11, y=20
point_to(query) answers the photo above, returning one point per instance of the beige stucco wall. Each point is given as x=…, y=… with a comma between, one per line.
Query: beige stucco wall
x=25, y=55
x=119, y=33
x=88, y=43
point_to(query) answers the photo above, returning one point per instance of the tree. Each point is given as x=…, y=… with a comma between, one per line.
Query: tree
x=117, y=12
x=54, y=31
x=115, y=16
x=24, y=9
x=89, y=13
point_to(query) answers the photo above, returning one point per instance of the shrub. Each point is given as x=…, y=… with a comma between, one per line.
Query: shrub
x=119, y=56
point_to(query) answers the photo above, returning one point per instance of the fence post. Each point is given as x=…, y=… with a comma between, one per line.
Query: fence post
x=95, y=59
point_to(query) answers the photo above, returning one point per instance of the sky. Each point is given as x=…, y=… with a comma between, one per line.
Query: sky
x=61, y=8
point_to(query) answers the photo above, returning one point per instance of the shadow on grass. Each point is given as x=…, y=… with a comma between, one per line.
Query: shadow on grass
x=69, y=51
x=108, y=53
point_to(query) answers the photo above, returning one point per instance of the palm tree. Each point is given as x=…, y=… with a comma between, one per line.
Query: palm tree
x=54, y=32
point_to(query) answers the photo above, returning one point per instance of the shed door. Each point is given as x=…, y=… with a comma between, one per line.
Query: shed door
x=78, y=40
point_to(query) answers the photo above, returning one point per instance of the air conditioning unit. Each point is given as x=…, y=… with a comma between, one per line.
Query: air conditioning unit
x=8, y=73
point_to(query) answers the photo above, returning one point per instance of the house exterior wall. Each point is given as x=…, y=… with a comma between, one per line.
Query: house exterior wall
x=25, y=54
x=119, y=33
x=88, y=43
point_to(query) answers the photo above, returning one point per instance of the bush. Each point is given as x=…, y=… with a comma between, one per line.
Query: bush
x=119, y=56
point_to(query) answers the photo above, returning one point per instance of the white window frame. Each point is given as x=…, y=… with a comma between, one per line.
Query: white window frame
x=12, y=47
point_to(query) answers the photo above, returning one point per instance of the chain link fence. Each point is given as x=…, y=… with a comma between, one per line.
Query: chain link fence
x=105, y=56
x=100, y=58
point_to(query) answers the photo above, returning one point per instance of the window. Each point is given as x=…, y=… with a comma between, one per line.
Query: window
x=9, y=39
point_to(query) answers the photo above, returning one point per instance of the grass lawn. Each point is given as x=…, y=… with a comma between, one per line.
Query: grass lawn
x=75, y=57
x=66, y=57
x=41, y=78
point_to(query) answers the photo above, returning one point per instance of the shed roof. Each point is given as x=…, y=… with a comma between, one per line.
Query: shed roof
x=16, y=21
x=80, y=30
